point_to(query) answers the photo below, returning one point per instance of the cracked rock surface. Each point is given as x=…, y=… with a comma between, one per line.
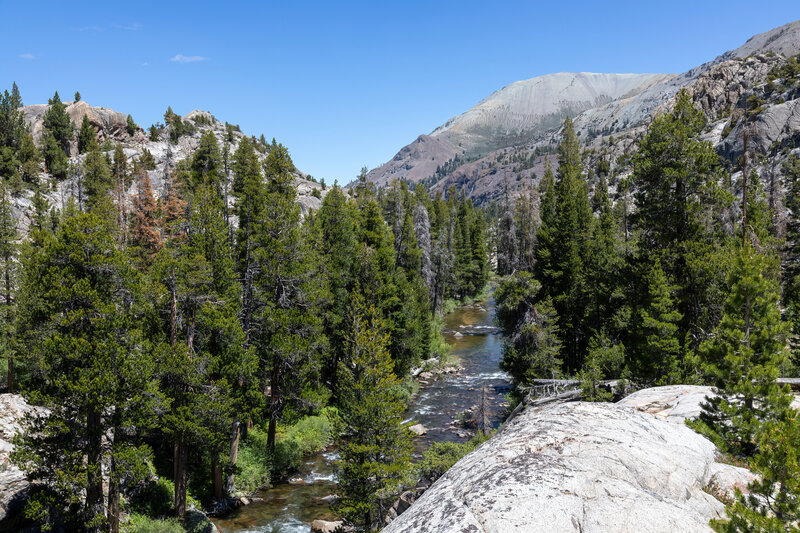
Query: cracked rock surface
x=583, y=467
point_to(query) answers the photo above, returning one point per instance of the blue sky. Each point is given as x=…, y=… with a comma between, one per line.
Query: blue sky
x=347, y=84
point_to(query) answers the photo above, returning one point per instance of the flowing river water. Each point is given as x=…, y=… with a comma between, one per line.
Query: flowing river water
x=290, y=507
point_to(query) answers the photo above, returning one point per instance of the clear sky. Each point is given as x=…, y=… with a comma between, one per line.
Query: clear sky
x=347, y=84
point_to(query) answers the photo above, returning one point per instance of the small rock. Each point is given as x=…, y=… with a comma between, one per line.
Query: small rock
x=457, y=334
x=244, y=501
x=330, y=498
x=426, y=376
x=297, y=481
x=325, y=526
x=418, y=430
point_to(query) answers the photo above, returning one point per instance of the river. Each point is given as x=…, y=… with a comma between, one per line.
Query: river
x=291, y=507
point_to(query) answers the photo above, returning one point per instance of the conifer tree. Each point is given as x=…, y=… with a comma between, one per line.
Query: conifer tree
x=145, y=233
x=791, y=252
x=374, y=444
x=743, y=357
x=533, y=346
x=661, y=347
x=88, y=367
x=57, y=124
x=287, y=328
x=87, y=137
x=676, y=193
x=563, y=248
x=8, y=280
x=507, y=251
x=773, y=499
x=338, y=220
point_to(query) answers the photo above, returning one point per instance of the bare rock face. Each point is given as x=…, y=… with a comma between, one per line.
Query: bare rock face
x=108, y=124
x=584, y=467
x=13, y=485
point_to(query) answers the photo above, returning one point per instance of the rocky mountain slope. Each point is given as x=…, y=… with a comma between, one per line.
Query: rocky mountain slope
x=111, y=125
x=590, y=467
x=505, y=139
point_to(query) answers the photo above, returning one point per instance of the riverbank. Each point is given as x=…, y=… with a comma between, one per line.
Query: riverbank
x=291, y=508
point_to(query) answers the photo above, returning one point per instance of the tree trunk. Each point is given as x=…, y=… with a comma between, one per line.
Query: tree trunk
x=173, y=311
x=230, y=482
x=180, y=480
x=216, y=477
x=94, y=474
x=113, y=497
x=10, y=374
x=273, y=408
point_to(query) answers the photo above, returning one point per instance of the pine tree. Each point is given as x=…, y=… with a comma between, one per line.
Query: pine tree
x=532, y=348
x=87, y=137
x=676, y=194
x=286, y=326
x=338, y=221
x=563, y=248
x=743, y=357
x=145, y=233
x=130, y=126
x=8, y=279
x=660, y=351
x=773, y=499
x=78, y=309
x=604, y=360
x=507, y=241
x=374, y=444
x=791, y=253
x=57, y=124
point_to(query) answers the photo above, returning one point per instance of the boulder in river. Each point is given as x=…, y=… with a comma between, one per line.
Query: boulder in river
x=325, y=526
x=590, y=467
x=418, y=430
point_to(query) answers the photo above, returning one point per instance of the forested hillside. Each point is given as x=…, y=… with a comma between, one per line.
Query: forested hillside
x=164, y=331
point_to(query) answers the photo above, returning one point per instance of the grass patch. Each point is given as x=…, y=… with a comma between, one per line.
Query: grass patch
x=140, y=523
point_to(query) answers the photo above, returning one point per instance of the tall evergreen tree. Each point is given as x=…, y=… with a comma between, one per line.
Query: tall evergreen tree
x=287, y=291
x=744, y=356
x=88, y=367
x=8, y=280
x=676, y=193
x=563, y=248
x=374, y=444
x=87, y=137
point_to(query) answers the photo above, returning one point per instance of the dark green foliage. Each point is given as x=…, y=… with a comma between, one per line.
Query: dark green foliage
x=676, y=194
x=773, y=502
x=563, y=248
x=177, y=127
x=604, y=360
x=77, y=97
x=441, y=456
x=8, y=283
x=57, y=124
x=743, y=357
x=658, y=330
x=87, y=137
x=78, y=314
x=130, y=125
x=791, y=253
x=533, y=347
x=374, y=444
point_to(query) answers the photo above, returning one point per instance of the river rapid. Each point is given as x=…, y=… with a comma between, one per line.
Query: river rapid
x=290, y=507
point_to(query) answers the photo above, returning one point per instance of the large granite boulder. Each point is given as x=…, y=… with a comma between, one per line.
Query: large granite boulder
x=584, y=467
x=13, y=484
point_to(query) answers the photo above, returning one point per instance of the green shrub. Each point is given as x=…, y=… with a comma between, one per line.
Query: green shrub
x=143, y=524
x=308, y=435
x=157, y=497
x=253, y=462
x=255, y=466
x=438, y=459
